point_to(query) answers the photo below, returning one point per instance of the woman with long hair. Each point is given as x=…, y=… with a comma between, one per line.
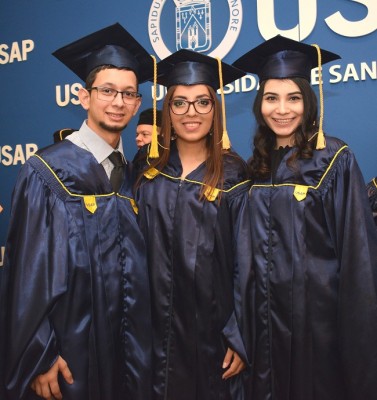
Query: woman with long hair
x=186, y=197
x=313, y=241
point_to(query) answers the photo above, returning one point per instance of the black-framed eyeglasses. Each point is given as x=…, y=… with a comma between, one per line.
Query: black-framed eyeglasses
x=201, y=106
x=109, y=94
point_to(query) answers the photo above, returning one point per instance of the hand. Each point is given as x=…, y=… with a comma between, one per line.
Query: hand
x=234, y=362
x=46, y=385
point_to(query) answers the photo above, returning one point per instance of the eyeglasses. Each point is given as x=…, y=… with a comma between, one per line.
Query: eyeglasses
x=109, y=94
x=201, y=106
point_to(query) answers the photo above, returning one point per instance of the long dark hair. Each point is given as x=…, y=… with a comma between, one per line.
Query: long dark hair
x=214, y=163
x=265, y=139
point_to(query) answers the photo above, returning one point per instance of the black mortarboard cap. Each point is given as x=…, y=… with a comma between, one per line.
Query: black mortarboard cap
x=146, y=117
x=280, y=57
x=109, y=46
x=186, y=67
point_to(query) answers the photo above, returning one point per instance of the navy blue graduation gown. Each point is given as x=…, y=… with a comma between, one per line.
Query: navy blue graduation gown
x=75, y=266
x=372, y=195
x=314, y=249
x=195, y=283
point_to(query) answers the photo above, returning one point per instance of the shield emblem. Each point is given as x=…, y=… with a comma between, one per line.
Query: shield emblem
x=193, y=25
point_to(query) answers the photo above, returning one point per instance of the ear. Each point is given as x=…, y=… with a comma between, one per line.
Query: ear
x=84, y=97
x=137, y=106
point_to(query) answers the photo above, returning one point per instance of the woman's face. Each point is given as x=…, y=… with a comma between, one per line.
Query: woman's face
x=282, y=109
x=194, y=125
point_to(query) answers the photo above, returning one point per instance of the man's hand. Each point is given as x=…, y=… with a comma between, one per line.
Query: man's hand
x=46, y=385
x=234, y=362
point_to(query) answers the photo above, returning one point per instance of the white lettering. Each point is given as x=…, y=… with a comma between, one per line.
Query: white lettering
x=17, y=52
x=307, y=14
x=17, y=155
x=27, y=47
x=365, y=69
x=267, y=25
x=344, y=27
x=350, y=72
x=64, y=100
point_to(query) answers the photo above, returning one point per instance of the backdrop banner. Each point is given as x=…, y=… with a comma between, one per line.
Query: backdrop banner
x=39, y=94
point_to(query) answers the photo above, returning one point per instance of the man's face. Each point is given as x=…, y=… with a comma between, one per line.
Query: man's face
x=111, y=116
x=143, y=134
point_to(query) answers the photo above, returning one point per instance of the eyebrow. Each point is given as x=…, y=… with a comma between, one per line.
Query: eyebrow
x=277, y=94
x=199, y=96
x=113, y=86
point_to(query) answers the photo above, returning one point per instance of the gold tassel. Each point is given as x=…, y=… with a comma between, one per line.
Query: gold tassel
x=225, y=139
x=153, y=149
x=321, y=141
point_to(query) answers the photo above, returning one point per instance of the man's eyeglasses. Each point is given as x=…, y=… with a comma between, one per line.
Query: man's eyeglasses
x=109, y=94
x=201, y=106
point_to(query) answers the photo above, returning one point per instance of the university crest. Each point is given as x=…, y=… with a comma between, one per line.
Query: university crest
x=193, y=25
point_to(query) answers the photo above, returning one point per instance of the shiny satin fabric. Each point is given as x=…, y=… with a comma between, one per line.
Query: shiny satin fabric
x=372, y=195
x=314, y=291
x=196, y=296
x=72, y=275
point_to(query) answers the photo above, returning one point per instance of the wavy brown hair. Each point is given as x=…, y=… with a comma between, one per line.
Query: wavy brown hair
x=214, y=163
x=265, y=139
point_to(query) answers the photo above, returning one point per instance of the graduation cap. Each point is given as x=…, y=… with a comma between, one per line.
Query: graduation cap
x=109, y=46
x=146, y=117
x=280, y=57
x=187, y=67
x=61, y=134
x=283, y=58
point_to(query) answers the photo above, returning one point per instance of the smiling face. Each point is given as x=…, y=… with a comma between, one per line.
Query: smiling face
x=282, y=109
x=191, y=127
x=109, y=118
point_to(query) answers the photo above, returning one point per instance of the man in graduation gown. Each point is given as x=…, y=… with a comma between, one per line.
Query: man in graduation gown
x=75, y=298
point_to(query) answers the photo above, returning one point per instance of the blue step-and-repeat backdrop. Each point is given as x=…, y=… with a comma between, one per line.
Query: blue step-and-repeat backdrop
x=39, y=94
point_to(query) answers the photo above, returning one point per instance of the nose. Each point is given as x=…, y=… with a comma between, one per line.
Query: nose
x=139, y=140
x=118, y=99
x=191, y=109
x=282, y=107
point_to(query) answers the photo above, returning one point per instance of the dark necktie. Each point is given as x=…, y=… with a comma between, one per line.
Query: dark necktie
x=116, y=176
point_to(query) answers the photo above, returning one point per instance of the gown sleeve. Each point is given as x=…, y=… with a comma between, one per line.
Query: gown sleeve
x=35, y=274
x=241, y=244
x=353, y=233
x=372, y=195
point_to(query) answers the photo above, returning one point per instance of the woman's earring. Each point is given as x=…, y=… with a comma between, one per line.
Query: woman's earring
x=173, y=135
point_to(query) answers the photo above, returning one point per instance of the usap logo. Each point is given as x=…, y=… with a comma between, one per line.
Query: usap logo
x=193, y=28
x=193, y=25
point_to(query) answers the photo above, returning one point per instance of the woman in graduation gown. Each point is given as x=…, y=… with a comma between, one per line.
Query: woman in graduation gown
x=313, y=241
x=186, y=197
x=372, y=195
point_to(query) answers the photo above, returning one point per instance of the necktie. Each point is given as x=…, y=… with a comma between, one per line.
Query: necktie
x=116, y=176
